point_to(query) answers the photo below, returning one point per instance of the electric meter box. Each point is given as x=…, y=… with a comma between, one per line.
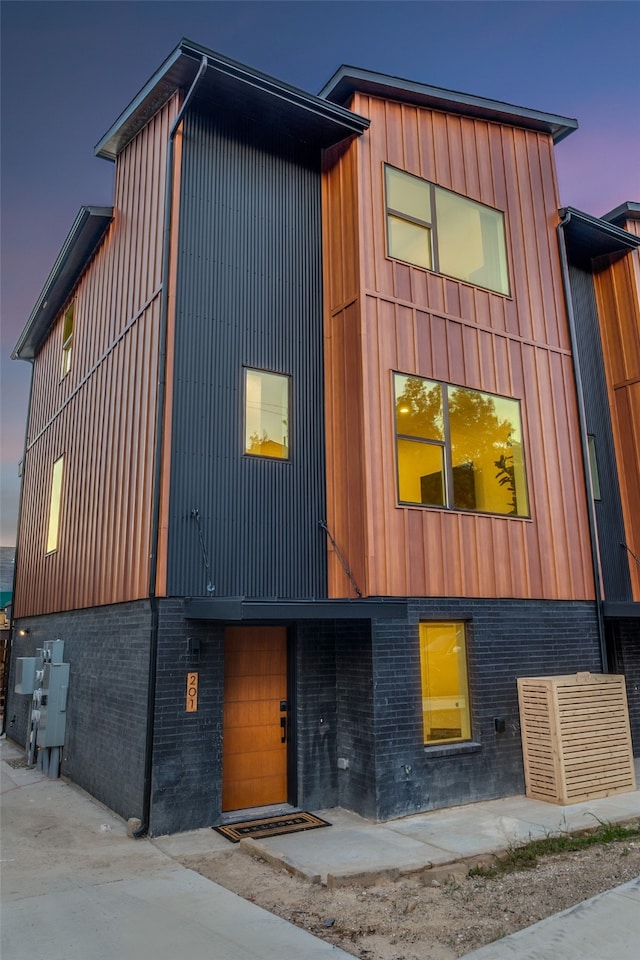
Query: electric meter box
x=26, y=674
x=53, y=706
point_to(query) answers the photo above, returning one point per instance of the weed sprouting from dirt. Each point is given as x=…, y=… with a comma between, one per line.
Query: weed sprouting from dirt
x=525, y=856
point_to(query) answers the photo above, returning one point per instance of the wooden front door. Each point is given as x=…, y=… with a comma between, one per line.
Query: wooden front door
x=254, y=748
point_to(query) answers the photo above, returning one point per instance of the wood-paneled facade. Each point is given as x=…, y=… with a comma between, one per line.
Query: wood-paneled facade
x=617, y=288
x=382, y=315
x=101, y=416
x=277, y=262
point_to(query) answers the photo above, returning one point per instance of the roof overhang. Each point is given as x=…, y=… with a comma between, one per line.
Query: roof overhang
x=590, y=237
x=233, y=609
x=621, y=610
x=231, y=85
x=622, y=214
x=84, y=237
x=347, y=80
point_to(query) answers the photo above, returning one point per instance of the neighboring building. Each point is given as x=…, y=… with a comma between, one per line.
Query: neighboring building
x=603, y=264
x=304, y=491
x=7, y=555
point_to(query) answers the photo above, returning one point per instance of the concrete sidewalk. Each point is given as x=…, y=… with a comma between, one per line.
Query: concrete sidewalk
x=75, y=886
x=603, y=928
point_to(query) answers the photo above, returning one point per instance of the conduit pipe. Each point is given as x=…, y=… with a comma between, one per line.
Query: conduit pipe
x=582, y=420
x=157, y=469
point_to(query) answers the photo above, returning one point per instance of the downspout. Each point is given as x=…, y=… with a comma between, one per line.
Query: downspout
x=5, y=692
x=157, y=467
x=582, y=420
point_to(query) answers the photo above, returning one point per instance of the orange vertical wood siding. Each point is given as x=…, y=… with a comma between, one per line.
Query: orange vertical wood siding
x=618, y=298
x=343, y=370
x=408, y=319
x=101, y=416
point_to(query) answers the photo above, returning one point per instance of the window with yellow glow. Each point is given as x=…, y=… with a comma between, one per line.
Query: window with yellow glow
x=458, y=448
x=266, y=415
x=54, y=505
x=445, y=688
x=443, y=231
x=67, y=340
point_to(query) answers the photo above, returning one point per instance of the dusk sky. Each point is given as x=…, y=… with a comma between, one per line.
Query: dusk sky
x=70, y=68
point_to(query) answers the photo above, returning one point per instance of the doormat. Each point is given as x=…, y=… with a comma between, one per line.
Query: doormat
x=271, y=826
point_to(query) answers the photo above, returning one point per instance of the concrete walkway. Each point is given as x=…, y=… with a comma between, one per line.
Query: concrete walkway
x=603, y=928
x=354, y=849
x=74, y=886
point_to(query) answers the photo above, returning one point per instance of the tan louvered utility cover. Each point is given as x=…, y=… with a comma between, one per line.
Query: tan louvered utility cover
x=576, y=740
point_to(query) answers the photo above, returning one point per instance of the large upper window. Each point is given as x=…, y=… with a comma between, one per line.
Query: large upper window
x=67, y=340
x=435, y=228
x=445, y=689
x=458, y=448
x=266, y=422
x=54, y=505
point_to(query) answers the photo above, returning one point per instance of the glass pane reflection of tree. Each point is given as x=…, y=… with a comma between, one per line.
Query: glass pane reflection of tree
x=482, y=442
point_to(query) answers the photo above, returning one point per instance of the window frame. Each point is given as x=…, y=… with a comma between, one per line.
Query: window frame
x=247, y=369
x=466, y=737
x=446, y=446
x=56, y=491
x=67, y=339
x=432, y=228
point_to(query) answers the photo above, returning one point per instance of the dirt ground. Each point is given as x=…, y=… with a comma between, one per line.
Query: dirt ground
x=417, y=917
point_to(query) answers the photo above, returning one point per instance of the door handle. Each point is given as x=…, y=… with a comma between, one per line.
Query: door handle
x=283, y=725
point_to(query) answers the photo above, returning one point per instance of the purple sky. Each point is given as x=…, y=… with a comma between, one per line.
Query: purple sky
x=69, y=68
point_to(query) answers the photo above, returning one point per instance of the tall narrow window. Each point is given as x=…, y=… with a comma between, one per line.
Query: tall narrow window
x=443, y=231
x=266, y=415
x=67, y=340
x=593, y=465
x=445, y=688
x=459, y=448
x=54, y=505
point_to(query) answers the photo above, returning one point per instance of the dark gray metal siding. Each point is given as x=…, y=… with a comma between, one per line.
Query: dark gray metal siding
x=249, y=293
x=609, y=518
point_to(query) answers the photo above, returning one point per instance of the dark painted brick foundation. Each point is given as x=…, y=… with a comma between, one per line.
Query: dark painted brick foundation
x=315, y=715
x=355, y=699
x=626, y=657
x=187, y=767
x=107, y=649
x=390, y=771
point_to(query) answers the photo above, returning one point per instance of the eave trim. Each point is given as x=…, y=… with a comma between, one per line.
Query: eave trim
x=591, y=237
x=347, y=80
x=82, y=241
x=177, y=72
x=626, y=211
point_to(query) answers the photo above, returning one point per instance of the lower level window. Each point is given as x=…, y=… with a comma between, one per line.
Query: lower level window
x=445, y=689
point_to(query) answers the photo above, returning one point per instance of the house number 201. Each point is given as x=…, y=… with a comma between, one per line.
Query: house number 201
x=192, y=692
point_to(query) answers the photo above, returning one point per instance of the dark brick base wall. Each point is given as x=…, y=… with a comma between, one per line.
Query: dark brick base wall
x=356, y=747
x=625, y=635
x=315, y=714
x=187, y=759
x=356, y=705
x=506, y=639
x=107, y=649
